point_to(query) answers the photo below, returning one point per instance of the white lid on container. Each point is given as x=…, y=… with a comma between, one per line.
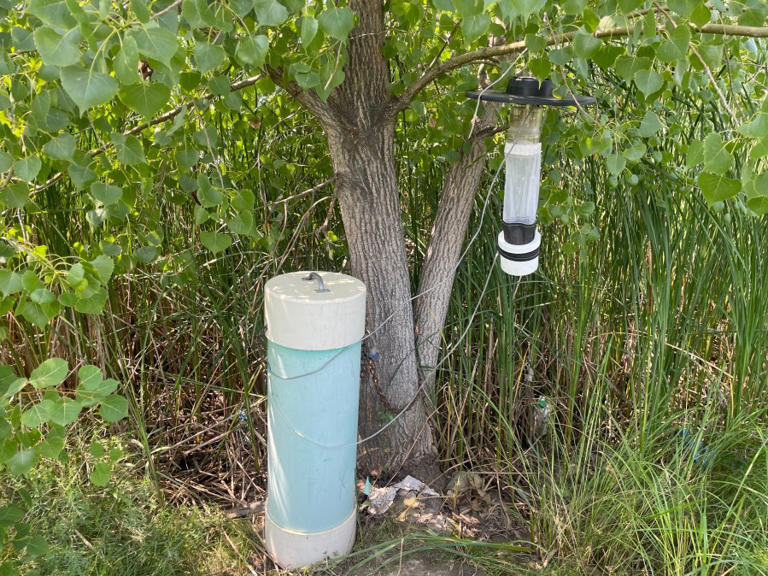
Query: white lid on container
x=300, y=316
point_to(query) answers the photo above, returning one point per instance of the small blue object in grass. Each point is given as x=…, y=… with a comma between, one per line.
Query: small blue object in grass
x=367, y=487
x=242, y=416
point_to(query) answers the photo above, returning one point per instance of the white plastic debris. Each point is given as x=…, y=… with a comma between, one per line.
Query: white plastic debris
x=381, y=499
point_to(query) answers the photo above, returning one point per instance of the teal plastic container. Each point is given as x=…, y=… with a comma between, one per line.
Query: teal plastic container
x=312, y=436
x=314, y=343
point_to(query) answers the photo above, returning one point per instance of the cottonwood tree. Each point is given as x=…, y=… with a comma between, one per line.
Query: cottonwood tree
x=113, y=97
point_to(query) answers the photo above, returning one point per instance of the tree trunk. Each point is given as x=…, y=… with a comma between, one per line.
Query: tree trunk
x=359, y=123
x=360, y=130
x=366, y=187
x=445, y=246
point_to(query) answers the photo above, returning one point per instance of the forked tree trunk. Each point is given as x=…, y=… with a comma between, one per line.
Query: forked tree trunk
x=359, y=123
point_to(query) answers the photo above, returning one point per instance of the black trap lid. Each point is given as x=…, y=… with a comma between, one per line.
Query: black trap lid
x=527, y=90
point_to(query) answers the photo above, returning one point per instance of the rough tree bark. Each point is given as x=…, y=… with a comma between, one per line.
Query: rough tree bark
x=359, y=122
x=360, y=131
x=445, y=247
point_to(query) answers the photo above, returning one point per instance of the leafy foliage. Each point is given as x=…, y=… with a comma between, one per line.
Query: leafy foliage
x=84, y=84
x=35, y=414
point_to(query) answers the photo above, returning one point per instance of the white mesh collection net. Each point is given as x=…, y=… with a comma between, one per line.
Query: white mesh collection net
x=521, y=184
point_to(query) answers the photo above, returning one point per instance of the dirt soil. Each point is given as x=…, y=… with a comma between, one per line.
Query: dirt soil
x=470, y=508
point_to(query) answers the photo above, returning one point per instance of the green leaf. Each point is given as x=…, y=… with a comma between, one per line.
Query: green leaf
x=208, y=195
x=101, y=474
x=92, y=303
x=308, y=30
x=648, y=81
x=760, y=149
x=103, y=266
x=115, y=454
x=157, y=43
x=145, y=98
x=676, y=46
x=759, y=205
x=91, y=393
x=683, y=7
x=10, y=384
x=716, y=158
x=96, y=449
x=89, y=377
x=62, y=147
x=37, y=414
x=27, y=168
x=252, y=50
x=474, y=26
x=209, y=57
x=146, y=254
x=106, y=193
x=196, y=13
x=527, y=8
x=270, y=12
x=701, y=15
x=585, y=45
x=635, y=152
x=6, y=161
x=337, y=22
x=92, y=387
x=114, y=408
x=53, y=444
x=22, y=461
x=126, y=63
x=757, y=127
x=141, y=10
x=86, y=88
x=717, y=188
x=650, y=124
x=14, y=195
x=129, y=149
x=53, y=12
x=615, y=164
x=50, y=373
x=80, y=175
x=56, y=49
x=35, y=546
x=10, y=283
x=214, y=241
x=10, y=515
x=76, y=276
x=42, y=296
x=65, y=411
x=244, y=201
x=30, y=281
x=243, y=224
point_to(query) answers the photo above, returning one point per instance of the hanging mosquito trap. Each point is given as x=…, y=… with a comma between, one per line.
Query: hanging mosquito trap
x=519, y=240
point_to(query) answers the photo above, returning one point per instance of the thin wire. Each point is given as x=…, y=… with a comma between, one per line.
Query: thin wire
x=409, y=300
x=391, y=316
x=274, y=406
x=444, y=358
x=491, y=85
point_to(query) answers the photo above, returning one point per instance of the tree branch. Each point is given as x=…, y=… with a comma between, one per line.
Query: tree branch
x=170, y=115
x=460, y=60
x=307, y=98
